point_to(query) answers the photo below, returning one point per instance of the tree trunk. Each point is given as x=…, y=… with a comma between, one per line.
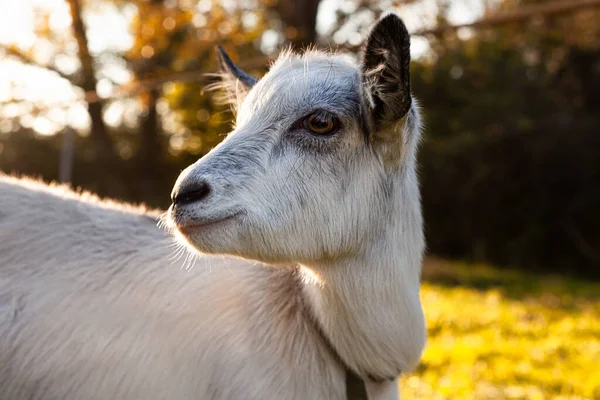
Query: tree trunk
x=300, y=21
x=98, y=129
x=149, y=157
x=150, y=146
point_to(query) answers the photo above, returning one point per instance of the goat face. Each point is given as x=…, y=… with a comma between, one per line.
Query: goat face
x=311, y=170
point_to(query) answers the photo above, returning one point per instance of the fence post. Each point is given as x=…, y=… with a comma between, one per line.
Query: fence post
x=65, y=169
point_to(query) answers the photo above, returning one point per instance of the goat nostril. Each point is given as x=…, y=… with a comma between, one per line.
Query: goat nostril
x=192, y=193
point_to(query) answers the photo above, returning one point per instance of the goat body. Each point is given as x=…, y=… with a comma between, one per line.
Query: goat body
x=93, y=306
x=317, y=182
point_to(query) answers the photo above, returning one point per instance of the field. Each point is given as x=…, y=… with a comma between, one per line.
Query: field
x=503, y=334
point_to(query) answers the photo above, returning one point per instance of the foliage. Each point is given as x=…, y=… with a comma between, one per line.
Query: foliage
x=174, y=38
x=510, y=161
x=498, y=334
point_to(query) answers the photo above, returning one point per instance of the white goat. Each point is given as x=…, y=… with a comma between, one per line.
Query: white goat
x=318, y=181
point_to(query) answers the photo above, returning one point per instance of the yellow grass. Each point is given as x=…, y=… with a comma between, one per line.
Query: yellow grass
x=499, y=334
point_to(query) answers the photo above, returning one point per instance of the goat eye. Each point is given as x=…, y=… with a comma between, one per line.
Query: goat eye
x=321, y=123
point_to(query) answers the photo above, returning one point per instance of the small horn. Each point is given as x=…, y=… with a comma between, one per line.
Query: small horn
x=228, y=66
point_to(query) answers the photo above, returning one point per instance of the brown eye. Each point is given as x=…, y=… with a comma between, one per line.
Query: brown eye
x=321, y=123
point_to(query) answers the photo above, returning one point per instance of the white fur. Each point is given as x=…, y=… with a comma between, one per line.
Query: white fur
x=93, y=305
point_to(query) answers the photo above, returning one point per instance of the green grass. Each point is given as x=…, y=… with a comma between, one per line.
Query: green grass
x=501, y=334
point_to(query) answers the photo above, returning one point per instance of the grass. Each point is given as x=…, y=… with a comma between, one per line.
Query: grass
x=502, y=334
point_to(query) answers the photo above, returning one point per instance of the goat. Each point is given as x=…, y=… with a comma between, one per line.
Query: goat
x=307, y=231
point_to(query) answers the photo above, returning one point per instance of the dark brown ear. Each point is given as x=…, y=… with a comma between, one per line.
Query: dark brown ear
x=231, y=71
x=386, y=70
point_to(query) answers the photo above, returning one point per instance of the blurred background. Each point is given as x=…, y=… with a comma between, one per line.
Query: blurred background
x=109, y=96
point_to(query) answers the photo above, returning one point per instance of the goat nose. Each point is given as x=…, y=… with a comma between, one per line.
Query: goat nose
x=191, y=193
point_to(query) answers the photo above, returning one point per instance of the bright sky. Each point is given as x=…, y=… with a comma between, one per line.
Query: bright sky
x=107, y=30
x=418, y=15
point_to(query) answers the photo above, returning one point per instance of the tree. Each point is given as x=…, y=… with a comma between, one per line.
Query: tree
x=509, y=166
x=299, y=21
x=85, y=79
x=98, y=129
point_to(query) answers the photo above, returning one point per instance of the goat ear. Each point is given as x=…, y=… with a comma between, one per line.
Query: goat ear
x=232, y=72
x=386, y=70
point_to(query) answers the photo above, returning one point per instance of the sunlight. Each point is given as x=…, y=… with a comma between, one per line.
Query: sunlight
x=128, y=100
x=417, y=15
x=17, y=25
x=108, y=31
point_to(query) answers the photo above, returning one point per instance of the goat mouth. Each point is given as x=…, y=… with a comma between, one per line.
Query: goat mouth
x=196, y=225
